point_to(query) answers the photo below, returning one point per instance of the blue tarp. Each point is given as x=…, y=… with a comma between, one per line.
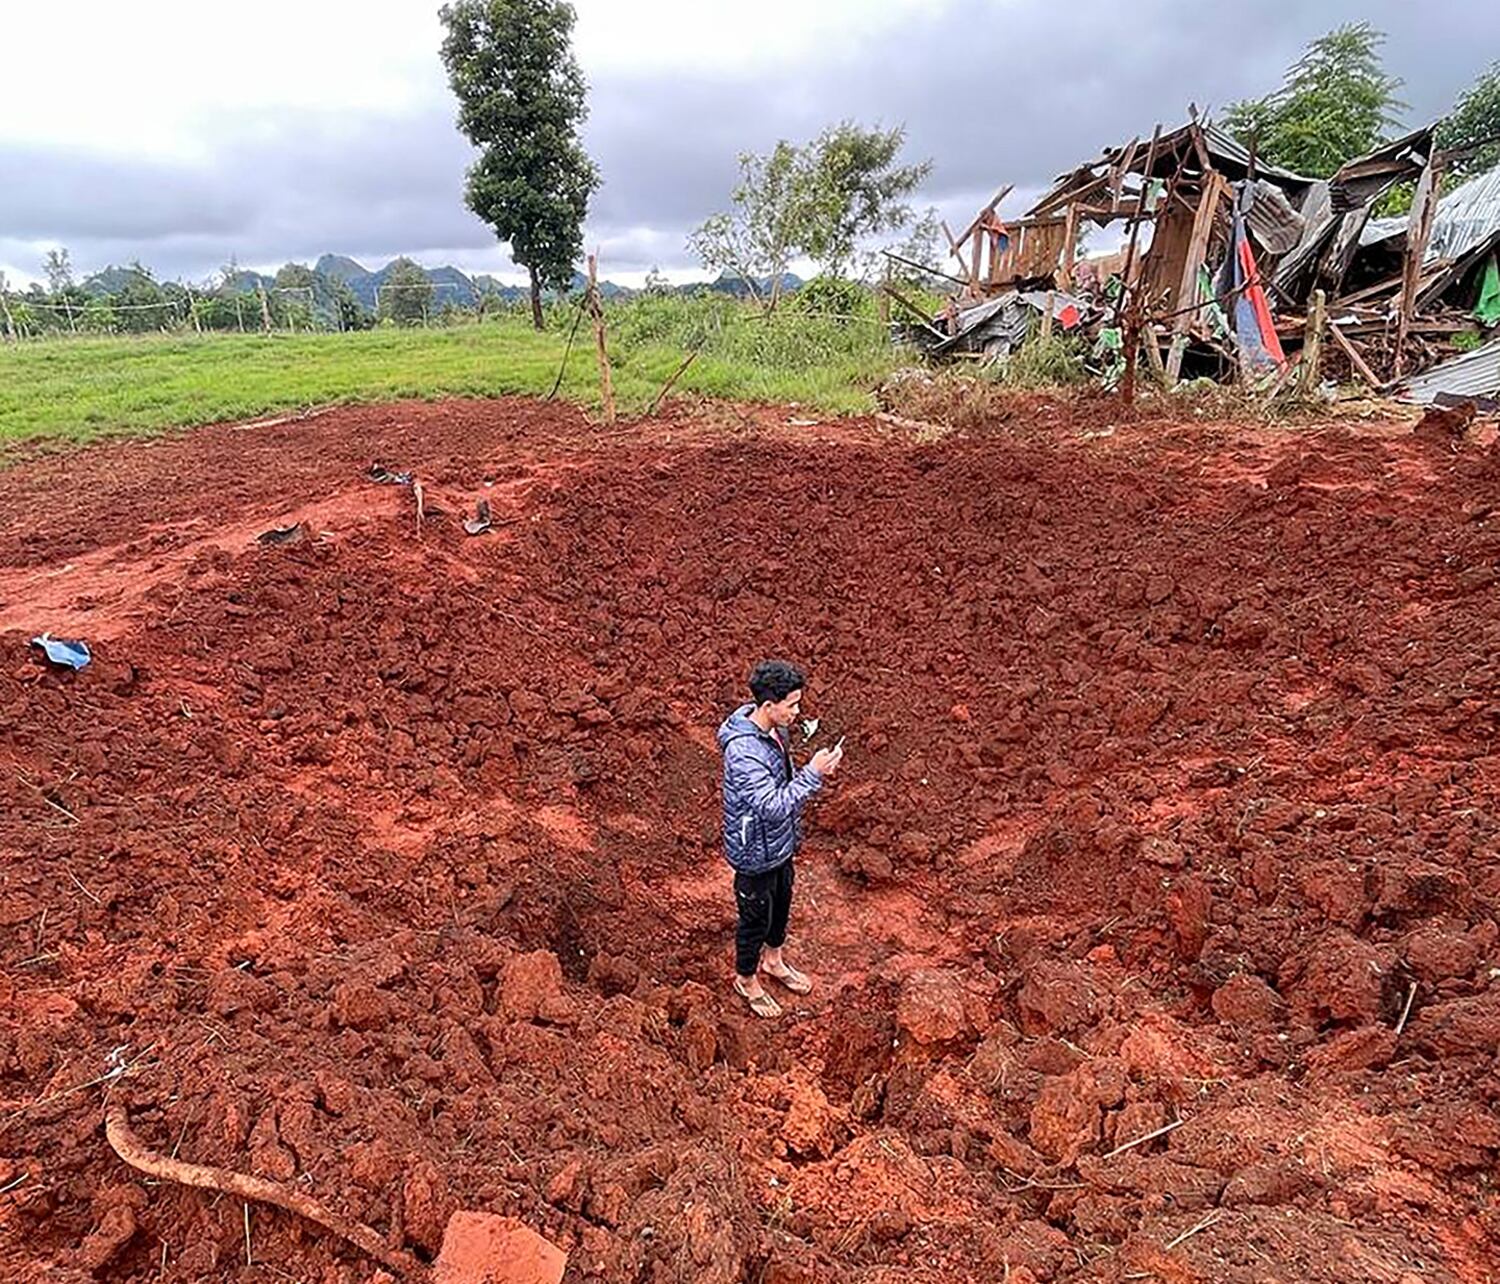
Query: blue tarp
x=72, y=655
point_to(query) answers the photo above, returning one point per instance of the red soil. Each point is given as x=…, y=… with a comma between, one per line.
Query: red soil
x=388, y=863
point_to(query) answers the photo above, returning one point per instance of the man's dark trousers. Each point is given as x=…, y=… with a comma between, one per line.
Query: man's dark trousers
x=765, y=901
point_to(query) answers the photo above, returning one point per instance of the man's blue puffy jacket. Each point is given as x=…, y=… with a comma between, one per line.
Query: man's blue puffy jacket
x=763, y=797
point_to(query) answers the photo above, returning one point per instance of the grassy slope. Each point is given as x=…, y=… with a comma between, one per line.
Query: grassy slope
x=79, y=389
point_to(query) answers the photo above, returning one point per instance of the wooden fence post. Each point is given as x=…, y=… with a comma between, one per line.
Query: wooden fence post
x=606, y=382
x=1312, y=343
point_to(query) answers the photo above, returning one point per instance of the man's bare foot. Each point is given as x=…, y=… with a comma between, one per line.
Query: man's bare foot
x=761, y=1003
x=797, y=982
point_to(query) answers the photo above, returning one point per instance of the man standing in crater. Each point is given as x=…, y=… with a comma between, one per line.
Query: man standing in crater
x=763, y=800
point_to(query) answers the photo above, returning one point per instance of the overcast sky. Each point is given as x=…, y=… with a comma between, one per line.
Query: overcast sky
x=161, y=131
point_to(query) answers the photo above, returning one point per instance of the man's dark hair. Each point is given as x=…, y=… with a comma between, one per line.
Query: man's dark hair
x=774, y=680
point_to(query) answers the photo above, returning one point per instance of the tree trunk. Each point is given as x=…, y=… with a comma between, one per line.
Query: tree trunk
x=536, y=299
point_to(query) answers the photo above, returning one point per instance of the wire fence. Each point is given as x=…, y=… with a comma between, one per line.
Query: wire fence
x=183, y=308
x=302, y=309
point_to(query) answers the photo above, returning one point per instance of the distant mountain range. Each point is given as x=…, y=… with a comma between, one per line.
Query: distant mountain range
x=450, y=284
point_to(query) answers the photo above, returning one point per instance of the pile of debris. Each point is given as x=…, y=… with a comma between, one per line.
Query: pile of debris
x=1235, y=268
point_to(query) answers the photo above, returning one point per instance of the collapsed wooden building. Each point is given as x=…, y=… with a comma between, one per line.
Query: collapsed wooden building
x=1231, y=267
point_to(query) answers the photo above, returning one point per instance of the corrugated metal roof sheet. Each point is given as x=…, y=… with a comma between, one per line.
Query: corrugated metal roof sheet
x=1475, y=374
x=1274, y=220
x=1465, y=216
x=1225, y=146
x=1222, y=147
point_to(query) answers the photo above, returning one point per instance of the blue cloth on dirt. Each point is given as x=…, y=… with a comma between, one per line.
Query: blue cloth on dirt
x=763, y=795
x=73, y=655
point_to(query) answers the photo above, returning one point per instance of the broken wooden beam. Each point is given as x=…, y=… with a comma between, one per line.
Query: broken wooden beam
x=1312, y=344
x=957, y=254
x=1187, y=312
x=985, y=212
x=1361, y=366
x=1418, y=233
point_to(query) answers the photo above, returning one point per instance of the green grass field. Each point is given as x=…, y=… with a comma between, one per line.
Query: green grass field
x=77, y=390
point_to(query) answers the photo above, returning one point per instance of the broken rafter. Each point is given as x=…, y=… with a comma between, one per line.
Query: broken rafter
x=984, y=213
x=916, y=311
x=1135, y=222
x=1069, y=250
x=1130, y=209
x=1195, y=135
x=1067, y=196
x=1197, y=251
x=1358, y=362
x=1391, y=285
x=912, y=263
x=953, y=247
x=1130, y=289
x=1122, y=166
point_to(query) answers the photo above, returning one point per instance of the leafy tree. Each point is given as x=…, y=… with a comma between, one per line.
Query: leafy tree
x=819, y=200
x=7, y=317
x=656, y=284
x=1475, y=122
x=55, y=309
x=858, y=190
x=297, y=294
x=406, y=295
x=99, y=317
x=141, y=304
x=920, y=247
x=349, y=312
x=1335, y=103
x=295, y=276
x=758, y=239
x=833, y=297
x=521, y=101
x=58, y=270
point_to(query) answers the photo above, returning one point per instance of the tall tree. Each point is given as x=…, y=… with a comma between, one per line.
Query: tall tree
x=295, y=276
x=1475, y=122
x=522, y=99
x=59, y=270
x=1335, y=103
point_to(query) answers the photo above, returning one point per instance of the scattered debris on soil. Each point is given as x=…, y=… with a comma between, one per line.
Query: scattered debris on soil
x=1153, y=915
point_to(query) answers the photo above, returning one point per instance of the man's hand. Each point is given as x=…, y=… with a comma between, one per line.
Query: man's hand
x=826, y=761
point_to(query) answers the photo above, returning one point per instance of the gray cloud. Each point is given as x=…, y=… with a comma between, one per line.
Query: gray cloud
x=1017, y=94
